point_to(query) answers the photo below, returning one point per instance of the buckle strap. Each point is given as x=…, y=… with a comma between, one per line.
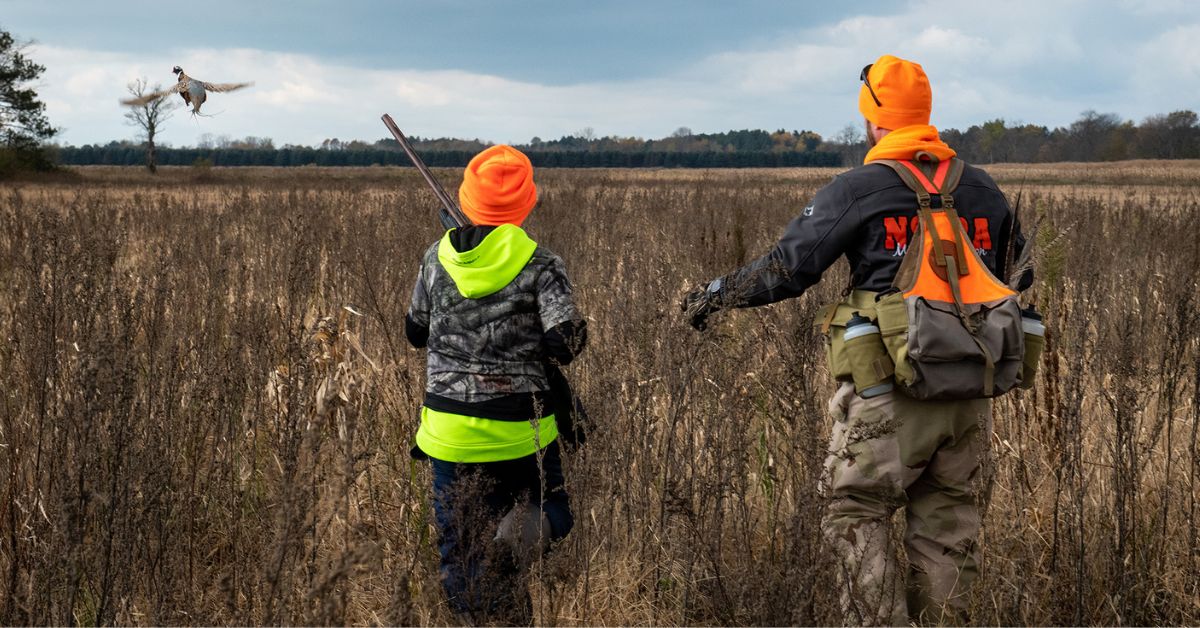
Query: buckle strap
x=956, y=230
x=925, y=215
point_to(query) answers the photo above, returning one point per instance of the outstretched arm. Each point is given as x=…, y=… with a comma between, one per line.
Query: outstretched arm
x=811, y=243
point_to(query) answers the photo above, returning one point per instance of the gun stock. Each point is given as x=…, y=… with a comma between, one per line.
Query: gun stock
x=450, y=215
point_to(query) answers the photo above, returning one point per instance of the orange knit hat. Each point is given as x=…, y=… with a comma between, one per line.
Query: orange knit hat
x=498, y=187
x=902, y=91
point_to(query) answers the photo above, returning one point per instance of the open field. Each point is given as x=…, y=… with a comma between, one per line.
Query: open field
x=193, y=430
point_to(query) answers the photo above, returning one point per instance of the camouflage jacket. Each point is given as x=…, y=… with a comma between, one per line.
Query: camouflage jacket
x=484, y=348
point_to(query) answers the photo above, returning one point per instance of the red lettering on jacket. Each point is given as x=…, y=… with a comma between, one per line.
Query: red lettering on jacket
x=983, y=238
x=897, y=232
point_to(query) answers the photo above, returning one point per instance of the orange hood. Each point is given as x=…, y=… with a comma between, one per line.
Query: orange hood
x=906, y=142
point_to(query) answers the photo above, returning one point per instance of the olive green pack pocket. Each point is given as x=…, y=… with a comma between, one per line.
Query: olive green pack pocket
x=831, y=320
x=892, y=317
x=869, y=363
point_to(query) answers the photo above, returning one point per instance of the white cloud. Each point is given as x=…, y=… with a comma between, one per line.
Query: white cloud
x=773, y=71
x=937, y=40
x=301, y=99
x=1033, y=60
x=1157, y=7
x=1171, y=59
x=1165, y=73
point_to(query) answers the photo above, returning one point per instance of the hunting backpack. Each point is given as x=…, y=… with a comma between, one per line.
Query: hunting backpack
x=952, y=329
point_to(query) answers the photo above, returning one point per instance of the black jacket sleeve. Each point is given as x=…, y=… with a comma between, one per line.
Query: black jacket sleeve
x=811, y=243
x=417, y=334
x=416, y=322
x=565, y=341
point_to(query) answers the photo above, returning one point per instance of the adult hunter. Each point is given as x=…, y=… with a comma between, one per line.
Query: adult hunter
x=925, y=336
x=495, y=311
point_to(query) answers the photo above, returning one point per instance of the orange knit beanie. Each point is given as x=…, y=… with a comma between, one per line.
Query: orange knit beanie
x=498, y=187
x=902, y=90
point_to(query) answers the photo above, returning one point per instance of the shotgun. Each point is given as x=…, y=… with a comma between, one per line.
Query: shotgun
x=450, y=215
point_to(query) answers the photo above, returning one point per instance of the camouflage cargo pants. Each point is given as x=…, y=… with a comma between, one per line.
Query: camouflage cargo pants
x=932, y=458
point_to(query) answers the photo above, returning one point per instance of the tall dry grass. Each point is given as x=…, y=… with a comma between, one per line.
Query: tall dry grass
x=195, y=430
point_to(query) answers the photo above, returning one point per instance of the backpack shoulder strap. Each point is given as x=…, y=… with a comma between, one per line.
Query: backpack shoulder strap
x=953, y=175
x=909, y=178
x=942, y=179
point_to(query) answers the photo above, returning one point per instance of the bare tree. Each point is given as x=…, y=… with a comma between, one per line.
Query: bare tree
x=852, y=144
x=149, y=116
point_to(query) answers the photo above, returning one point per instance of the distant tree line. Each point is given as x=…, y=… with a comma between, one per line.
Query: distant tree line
x=734, y=149
x=125, y=154
x=1093, y=137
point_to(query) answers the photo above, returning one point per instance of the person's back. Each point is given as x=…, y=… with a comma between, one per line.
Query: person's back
x=891, y=443
x=888, y=221
x=496, y=314
x=489, y=292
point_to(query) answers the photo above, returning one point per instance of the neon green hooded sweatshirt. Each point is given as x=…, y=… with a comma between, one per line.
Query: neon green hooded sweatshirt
x=477, y=273
x=487, y=268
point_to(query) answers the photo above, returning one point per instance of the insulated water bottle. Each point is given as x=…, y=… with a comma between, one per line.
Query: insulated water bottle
x=870, y=364
x=1035, y=341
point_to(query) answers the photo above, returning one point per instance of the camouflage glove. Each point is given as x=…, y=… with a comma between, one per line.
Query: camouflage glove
x=698, y=304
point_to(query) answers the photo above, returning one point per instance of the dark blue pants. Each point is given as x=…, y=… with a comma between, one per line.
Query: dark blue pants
x=469, y=499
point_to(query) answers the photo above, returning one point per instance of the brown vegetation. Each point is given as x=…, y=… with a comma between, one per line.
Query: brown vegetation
x=194, y=430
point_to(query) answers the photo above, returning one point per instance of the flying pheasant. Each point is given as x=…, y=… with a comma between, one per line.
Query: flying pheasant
x=193, y=91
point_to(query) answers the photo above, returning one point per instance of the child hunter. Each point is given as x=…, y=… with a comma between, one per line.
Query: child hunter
x=495, y=312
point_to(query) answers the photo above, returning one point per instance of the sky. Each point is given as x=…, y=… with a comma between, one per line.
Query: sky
x=507, y=71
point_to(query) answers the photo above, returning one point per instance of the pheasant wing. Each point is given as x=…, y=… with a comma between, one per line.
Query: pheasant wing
x=151, y=97
x=225, y=87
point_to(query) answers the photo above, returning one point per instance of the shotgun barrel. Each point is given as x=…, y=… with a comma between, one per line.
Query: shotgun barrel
x=450, y=215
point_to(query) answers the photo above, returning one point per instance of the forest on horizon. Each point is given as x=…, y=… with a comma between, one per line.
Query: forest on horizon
x=1092, y=137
